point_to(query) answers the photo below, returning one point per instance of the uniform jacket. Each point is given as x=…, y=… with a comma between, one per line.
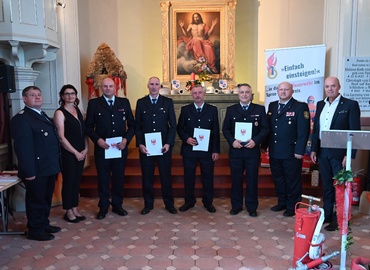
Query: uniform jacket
x=346, y=117
x=206, y=119
x=103, y=123
x=36, y=144
x=155, y=118
x=289, y=130
x=257, y=116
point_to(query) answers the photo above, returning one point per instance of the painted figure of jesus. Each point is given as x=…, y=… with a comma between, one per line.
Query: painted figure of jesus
x=196, y=37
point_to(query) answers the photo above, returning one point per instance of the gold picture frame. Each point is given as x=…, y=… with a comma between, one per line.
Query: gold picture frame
x=178, y=56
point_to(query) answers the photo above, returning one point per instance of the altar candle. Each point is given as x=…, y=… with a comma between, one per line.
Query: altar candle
x=193, y=76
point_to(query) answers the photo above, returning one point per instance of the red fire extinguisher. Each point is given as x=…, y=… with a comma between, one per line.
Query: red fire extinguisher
x=356, y=188
x=305, y=225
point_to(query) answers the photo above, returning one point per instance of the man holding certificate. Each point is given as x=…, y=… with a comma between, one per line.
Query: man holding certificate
x=289, y=121
x=110, y=125
x=245, y=127
x=198, y=129
x=155, y=137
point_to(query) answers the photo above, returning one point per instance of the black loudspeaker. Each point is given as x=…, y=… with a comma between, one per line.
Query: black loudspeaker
x=7, y=79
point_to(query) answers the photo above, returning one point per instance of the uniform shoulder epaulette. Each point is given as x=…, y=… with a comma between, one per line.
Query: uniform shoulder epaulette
x=21, y=112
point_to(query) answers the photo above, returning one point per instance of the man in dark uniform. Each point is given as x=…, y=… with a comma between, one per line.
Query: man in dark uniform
x=204, y=116
x=244, y=154
x=36, y=145
x=156, y=113
x=339, y=113
x=108, y=117
x=289, y=122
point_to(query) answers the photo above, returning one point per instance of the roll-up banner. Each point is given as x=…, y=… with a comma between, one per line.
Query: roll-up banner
x=304, y=68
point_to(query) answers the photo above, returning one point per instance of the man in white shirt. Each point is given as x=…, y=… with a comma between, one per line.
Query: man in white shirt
x=339, y=113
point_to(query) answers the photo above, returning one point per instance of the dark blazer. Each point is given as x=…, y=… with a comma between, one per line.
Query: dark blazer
x=289, y=130
x=155, y=118
x=257, y=116
x=346, y=117
x=103, y=123
x=206, y=119
x=36, y=144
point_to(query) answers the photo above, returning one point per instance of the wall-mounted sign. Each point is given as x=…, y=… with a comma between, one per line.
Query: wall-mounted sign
x=356, y=81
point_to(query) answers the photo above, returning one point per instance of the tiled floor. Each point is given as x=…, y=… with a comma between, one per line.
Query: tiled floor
x=192, y=240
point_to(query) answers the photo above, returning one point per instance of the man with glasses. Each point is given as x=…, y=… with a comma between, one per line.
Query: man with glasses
x=245, y=128
x=36, y=145
x=289, y=121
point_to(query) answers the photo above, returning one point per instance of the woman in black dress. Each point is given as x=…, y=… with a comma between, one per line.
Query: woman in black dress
x=72, y=134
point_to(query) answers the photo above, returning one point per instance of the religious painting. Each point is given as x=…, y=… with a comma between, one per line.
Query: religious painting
x=198, y=40
x=198, y=35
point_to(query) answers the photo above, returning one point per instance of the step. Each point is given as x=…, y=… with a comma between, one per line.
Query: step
x=222, y=180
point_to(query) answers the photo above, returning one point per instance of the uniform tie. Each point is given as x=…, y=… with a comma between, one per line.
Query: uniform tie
x=110, y=104
x=45, y=115
x=154, y=101
x=281, y=106
x=245, y=108
x=199, y=110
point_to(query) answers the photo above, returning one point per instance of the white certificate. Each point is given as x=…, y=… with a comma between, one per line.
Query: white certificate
x=202, y=137
x=153, y=143
x=113, y=151
x=243, y=131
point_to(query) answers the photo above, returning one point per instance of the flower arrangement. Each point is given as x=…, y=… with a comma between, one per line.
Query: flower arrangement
x=202, y=69
x=343, y=176
x=192, y=83
x=340, y=180
x=204, y=73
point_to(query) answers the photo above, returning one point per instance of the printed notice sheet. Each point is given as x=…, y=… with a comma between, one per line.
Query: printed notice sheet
x=243, y=131
x=202, y=137
x=113, y=151
x=153, y=143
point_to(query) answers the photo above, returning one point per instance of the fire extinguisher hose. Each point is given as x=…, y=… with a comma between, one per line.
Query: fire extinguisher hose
x=318, y=238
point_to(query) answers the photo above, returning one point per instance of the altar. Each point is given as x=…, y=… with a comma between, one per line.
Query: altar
x=221, y=101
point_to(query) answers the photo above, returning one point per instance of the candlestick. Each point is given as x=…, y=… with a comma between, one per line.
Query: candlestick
x=192, y=76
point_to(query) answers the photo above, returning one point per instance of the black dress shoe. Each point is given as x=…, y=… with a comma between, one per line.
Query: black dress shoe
x=253, y=213
x=101, y=214
x=171, y=209
x=327, y=220
x=333, y=226
x=40, y=237
x=119, y=211
x=288, y=213
x=210, y=208
x=66, y=218
x=53, y=229
x=146, y=210
x=278, y=207
x=186, y=207
x=234, y=212
x=81, y=218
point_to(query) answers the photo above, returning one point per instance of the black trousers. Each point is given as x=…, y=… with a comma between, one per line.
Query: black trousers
x=287, y=175
x=147, y=170
x=207, y=171
x=39, y=193
x=237, y=167
x=110, y=172
x=329, y=166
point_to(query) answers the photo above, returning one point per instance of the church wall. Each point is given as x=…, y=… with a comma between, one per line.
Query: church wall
x=133, y=30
